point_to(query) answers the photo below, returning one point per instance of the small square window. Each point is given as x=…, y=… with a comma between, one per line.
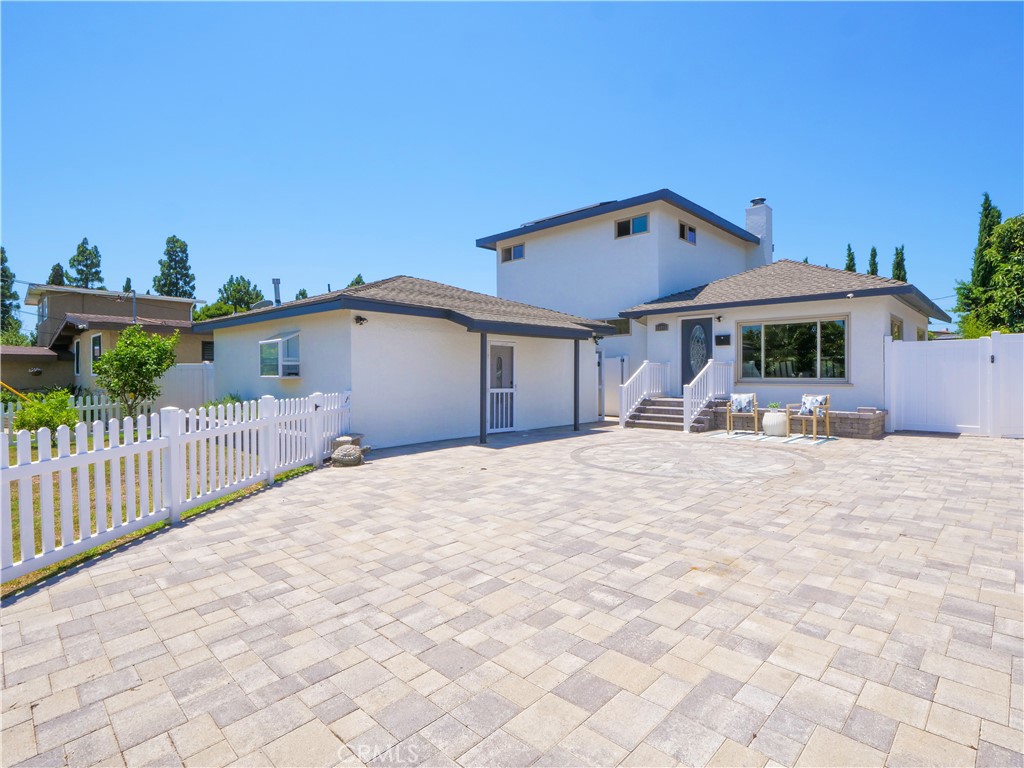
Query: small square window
x=634, y=226
x=513, y=252
x=279, y=356
x=207, y=353
x=687, y=233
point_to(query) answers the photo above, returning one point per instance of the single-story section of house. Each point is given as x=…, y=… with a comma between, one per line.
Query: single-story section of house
x=33, y=369
x=424, y=361
x=788, y=329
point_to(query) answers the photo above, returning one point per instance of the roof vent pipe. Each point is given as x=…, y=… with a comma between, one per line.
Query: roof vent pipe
x=277, y=291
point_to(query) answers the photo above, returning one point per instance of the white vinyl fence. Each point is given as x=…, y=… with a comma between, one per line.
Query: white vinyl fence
x=90, y=408
x=969, y=386
x=186, y=385
x=122, y=475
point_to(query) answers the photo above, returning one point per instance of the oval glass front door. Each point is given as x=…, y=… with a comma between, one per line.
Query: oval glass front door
x=698, y=349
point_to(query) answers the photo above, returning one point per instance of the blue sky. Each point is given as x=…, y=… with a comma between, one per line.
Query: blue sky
x=311, y=142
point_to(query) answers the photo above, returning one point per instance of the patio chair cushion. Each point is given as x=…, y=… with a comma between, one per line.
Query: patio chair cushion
x=810, y=403
x=742, y=403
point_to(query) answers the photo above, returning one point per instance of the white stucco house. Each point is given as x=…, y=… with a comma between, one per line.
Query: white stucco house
x=583, y=299
x=423, y=360
x=681, y=285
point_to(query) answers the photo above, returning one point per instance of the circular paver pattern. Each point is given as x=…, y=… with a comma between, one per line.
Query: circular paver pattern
x=701, y=460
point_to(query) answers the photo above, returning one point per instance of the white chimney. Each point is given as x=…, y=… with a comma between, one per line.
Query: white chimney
x=759, y=222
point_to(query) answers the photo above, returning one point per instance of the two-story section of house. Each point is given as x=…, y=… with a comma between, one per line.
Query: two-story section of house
x=79, y=324
x=602, y=259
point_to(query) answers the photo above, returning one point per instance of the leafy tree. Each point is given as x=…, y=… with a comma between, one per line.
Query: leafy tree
x=301, y=294
x=56, y=275
x=129, y=373
x=127, y=285
x=1001, y=307
x=851, y=262
x=971, y=294
x=9, y=306
x=239, y=293
x=357, y=280
x=86, y=266
x=13, y=337
x=210, y=311
x=806, y=261
x=899, y=266
x=873, y=261
x=175, y=277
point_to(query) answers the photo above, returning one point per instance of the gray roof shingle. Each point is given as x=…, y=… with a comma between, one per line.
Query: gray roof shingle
x=413, y=295
x=782, y=282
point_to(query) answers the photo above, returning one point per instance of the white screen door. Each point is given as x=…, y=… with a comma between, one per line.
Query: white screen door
x=501, y=399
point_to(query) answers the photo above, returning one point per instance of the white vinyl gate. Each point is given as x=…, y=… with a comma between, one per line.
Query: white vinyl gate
x=968, y=386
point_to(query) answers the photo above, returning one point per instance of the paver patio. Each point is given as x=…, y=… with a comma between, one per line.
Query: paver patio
x=615, y=597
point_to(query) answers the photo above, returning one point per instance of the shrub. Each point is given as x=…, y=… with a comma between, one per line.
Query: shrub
x=229, y=399
x=49, y=410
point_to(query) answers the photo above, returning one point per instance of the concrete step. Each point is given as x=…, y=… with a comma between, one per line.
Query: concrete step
x=643, y=424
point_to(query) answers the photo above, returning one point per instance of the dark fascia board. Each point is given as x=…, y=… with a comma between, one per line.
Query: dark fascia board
x=358, y=304
x=906, y=293
x=665, y=195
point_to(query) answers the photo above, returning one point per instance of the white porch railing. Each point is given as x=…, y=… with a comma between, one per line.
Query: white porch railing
x=714, y=379
x=649, y=379
x=127, y=474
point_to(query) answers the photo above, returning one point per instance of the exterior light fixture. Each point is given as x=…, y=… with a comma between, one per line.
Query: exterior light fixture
x=360, y=320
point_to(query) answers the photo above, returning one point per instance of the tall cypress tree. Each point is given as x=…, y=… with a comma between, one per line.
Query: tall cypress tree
x=899, y=265
x=86, y=267
x=982, y=270
x=873, y=261
x=127, y=285
x=9, y=306
x=56, y=275
x=851, y=262
x=175, y=277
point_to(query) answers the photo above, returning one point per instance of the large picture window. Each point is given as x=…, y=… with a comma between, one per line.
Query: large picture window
x=279, y=356
x=806, y=349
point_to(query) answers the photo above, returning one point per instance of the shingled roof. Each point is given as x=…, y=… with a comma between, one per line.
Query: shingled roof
x=426, y=298
x=783, y=282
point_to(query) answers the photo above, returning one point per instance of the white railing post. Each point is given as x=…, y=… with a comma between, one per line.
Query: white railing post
x=172, y=470
x=268, y=437
x=687, y=406
x=317, y=438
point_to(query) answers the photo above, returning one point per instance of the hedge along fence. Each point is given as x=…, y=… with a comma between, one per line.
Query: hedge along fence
x=128, y=474
x=90, y=408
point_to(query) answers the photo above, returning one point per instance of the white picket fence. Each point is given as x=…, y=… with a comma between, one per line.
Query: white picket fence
x=90, y=408
x=137, y=472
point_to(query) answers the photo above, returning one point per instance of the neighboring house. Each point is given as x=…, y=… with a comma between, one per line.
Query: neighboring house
x=423, y=360
x=689, y=286
x=30, y=369
x=79, y=324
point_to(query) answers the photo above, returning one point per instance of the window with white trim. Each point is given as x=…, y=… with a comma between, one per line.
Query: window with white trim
x=513, y=252
x=97, y=349
x=687, y=233
x=896, y=328
x=795, y=349
x=279, y=356
x=637, y=225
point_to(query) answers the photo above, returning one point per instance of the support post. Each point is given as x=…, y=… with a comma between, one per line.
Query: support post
x=171, y=467
x=317, y=438
x=483, y=389
x=575, y=385
x=268, y=437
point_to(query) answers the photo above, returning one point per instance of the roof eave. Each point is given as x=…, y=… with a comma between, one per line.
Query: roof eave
x=664, y=195
x=907, y=293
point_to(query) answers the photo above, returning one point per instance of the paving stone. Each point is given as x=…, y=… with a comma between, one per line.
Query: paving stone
x=70, y=726
x=499, y=748
x=450, y=736
x=312, y=744
x=914, y=747
x=870, y=728
x=687, y=741
x=627, y=719
x=486, y=712
x=546, y=722
x=819, y=703
x=408, y=715
x=830, y=748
